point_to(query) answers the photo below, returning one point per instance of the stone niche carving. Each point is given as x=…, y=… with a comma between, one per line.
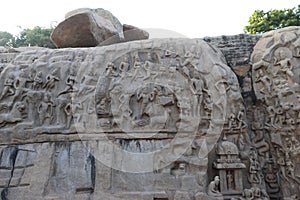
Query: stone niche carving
x=275, y=129
x=147, y=112
x=230, y=168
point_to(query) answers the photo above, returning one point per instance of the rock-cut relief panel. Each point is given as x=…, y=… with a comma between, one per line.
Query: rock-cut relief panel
x=276, y=72
x=168, y=90
x=36, y=91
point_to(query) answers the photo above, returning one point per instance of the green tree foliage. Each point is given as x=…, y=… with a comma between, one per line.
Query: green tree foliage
x=6, y=39
x=261, y=21
x=29, y=37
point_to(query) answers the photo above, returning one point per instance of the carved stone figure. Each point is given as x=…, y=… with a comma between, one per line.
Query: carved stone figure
x=213, y=190
x=51, y=79
x=9, y=87
x=45, y=110
x=38, y=81
x=70, y=82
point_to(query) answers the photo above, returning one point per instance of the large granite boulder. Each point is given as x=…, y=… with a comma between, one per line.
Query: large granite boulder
x=133, y=33
x=134, y=120
x=92, y=27
x=276, y=123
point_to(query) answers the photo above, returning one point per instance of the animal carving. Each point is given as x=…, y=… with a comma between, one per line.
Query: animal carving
x=15, y=115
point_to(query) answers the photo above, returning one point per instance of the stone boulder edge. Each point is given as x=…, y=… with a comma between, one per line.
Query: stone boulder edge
x=87, y=27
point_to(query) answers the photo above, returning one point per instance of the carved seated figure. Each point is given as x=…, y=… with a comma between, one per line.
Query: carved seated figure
x=213, y=190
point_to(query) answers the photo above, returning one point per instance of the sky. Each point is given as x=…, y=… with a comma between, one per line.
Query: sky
x=189, y=18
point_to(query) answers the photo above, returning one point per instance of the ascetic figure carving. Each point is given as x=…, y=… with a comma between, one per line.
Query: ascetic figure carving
x=213, y=188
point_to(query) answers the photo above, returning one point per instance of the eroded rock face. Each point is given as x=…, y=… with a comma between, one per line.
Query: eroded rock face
x=92, y=27
x=132, y=33
x=86, y=28
x=276, y=70
x=129, y=121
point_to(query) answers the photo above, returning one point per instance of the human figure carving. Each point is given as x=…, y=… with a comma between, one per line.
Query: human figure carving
x=9, y=87
x=197, y=88
x=70, y=82
x=60, y=104
x=21, y=81
x=69, y=113
x=281, y=163
x=254, y=169
x=51, y=79
x=213, y=188
x=38, y=81
x=124, y=66
x=248, y=194
x=222, y=86
x=111, y=70
x=137, y=66
x=283, y=58
x=45, y=110
x=230, y=181
x=144, y=96
x=240, y=119
x=266, y=81
x=231, y=121
x=87, y=85
x=149, y=68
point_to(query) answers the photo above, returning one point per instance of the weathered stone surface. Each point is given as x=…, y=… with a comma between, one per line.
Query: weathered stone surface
x=129, y=121
x=237, y=50
x=86, y=28
x=93, y=27
x=6, y=56
x=153, y=119
x=275, y=74
x=132, y=33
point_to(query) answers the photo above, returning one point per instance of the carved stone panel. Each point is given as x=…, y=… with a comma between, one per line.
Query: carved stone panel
x=276, y=71
x=150, y=112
